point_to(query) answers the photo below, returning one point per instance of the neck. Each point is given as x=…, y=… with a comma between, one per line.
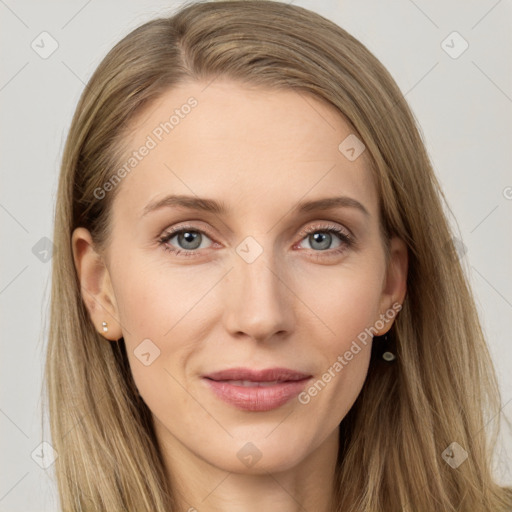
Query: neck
x=200, y=486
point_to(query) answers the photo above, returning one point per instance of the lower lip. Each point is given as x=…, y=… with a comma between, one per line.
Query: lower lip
x=257, y=398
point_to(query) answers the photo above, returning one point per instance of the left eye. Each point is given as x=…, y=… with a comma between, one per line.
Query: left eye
x=321, y=239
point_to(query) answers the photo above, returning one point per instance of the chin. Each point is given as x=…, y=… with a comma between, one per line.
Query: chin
x=258, y=454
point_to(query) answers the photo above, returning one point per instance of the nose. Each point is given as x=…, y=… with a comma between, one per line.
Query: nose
x=259, y=303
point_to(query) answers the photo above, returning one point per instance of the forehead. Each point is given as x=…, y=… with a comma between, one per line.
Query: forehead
x=249, y=147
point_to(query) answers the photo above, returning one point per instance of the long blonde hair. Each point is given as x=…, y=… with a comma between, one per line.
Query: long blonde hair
x=441, y=389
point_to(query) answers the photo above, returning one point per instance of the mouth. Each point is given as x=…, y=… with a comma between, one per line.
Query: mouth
x=252, y=384
x=256, y=390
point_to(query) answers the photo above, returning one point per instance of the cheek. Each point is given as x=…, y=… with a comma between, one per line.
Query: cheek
x=345, y=356
x=345, y=300
x=346, y=303
x=163, y=320
x=152, y=296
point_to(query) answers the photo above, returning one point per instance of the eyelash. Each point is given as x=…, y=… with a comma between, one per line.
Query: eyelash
x=347, y=240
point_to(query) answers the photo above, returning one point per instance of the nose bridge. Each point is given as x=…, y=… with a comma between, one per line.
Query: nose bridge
x=258, y=303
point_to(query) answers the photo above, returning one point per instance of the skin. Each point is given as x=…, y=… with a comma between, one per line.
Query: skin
x=297, y=305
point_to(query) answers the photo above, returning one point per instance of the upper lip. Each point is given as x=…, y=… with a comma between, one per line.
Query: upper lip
x=264, y=375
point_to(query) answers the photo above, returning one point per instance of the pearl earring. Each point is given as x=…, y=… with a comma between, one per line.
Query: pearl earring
x=105, y=328
x=387, y=355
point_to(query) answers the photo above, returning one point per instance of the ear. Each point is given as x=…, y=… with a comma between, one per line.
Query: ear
x=395, y=286
x=95, y=285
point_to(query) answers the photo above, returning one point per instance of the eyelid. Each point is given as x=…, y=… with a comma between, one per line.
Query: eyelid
x=188, y=226
x=325, y=226
x=344, y=234
x=316, y=226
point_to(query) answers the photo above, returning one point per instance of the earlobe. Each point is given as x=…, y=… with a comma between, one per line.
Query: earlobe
x=95, y=284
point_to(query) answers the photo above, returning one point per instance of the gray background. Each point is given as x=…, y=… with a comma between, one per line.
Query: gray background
x=463, y=105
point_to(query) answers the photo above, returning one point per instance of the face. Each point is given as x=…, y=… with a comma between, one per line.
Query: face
x=248, y=273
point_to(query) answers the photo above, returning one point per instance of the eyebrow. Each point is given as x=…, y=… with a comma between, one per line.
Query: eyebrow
x=220, y=208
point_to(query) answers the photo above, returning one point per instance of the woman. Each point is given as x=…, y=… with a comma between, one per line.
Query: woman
x=246, y=203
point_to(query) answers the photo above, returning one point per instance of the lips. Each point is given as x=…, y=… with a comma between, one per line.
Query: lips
x=267, y=375
x=256, y=390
